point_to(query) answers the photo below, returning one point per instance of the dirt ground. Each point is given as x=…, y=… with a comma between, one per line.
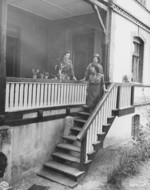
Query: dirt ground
x=96, y=176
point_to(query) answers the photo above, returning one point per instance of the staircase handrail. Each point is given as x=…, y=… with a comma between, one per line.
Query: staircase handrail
x=93, y=115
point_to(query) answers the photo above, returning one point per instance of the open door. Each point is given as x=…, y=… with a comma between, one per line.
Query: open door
x=12, y=63
x=83, y=49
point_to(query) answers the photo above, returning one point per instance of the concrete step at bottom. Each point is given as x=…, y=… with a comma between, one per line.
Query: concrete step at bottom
x=57, y=177
x=62, y=168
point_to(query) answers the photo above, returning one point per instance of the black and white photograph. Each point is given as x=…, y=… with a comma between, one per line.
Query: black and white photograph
x=74, y=94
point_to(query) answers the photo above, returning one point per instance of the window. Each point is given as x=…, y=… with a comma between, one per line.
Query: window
x=137, y=60
x=135, y=126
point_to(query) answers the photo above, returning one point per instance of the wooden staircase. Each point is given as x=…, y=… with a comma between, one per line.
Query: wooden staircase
x=72, y=158
x=64, y=168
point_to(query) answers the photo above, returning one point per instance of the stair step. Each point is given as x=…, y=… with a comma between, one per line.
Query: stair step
x=106, y=128
x=84, y=113
x=91, y=155
x=110, y=119
x=76, y=129
x=70, y=137
x=66, y=157
x=63, y=168
x=79, y=120
x=97, y=144
x=69, y=147
x=57, y=177
x=86, y=108
x=101, y=136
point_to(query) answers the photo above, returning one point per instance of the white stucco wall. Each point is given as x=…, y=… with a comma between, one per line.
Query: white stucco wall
x=123, y=32
x=32, y=145
x=121, y=128
x=146, y=59
x=120, y=131
x=135, y=9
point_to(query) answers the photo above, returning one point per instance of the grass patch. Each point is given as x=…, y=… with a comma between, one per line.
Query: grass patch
x=130, y=159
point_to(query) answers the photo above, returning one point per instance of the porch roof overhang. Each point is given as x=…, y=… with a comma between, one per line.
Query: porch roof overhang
x=58, y=9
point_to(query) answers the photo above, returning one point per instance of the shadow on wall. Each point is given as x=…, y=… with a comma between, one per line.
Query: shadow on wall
x=3, y=164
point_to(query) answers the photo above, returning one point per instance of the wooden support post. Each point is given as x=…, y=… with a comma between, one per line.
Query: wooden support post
x=118, y=97
x=67, y=111
x=132, y=95
x=83, y=154
x=3, y=31
x=100, y=18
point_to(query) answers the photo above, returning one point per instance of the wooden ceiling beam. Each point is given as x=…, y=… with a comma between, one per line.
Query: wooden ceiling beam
x=99, y=4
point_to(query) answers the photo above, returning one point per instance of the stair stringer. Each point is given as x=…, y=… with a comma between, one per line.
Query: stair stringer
x=100, y=138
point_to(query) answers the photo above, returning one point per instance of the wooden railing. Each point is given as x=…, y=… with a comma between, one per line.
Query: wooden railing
x=119, y=96
x=26, y=94
x=141, y=94
x=124, y=95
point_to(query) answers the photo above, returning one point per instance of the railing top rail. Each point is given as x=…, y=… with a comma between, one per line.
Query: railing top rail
x=91, y=118
x=31, y=80
x=142, y=85
x=123, y=84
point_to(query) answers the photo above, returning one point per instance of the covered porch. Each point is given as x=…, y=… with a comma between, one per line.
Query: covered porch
x=39, y=32
x=34, y=35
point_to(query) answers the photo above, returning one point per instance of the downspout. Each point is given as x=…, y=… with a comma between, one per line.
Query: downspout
x=108, y=40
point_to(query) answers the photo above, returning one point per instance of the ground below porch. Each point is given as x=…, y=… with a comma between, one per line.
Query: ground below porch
x=96, y=176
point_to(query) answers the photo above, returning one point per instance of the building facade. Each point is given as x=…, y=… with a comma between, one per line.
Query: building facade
x=130, y=41
x=34, y=35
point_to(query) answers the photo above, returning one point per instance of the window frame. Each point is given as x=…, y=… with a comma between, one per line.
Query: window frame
x=137, y=60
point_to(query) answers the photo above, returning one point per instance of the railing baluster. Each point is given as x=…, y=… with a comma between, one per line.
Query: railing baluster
x=7, y=101
x=45, y=95
x=21, y=93
x=57, y=97
x=38, y=96
x=73, y=94
x=16, y=96
x=48, y=94
x=12, y=96
x=60, y=92
x=25, y=95
x=52, y=95
x=29, y=95
x=34, y=95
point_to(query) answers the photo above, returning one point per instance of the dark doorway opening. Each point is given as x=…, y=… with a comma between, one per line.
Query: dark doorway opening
x=12, y=63
x=83, y=49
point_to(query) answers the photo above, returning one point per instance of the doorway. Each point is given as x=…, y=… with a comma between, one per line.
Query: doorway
x=12, y=63
x=83, y=49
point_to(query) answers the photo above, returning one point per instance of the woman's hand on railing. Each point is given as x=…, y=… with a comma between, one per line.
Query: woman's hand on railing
x=106, y=90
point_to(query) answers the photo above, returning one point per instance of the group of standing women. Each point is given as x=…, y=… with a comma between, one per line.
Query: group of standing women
x=93, y=74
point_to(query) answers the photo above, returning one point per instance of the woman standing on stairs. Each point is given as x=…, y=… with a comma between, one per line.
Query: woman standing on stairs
x=96, y=87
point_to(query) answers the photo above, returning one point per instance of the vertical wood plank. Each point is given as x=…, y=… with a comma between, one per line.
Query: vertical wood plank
x=26, y=95
x=7, y=102
x=12, y=96
x=3, y=35
x=16, y=95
